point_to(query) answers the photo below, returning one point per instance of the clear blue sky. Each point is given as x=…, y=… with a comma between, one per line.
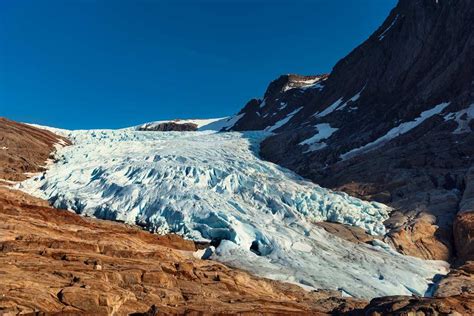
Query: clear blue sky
x=91, y=64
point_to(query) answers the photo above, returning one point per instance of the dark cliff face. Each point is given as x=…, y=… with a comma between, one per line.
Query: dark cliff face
x=395, y=119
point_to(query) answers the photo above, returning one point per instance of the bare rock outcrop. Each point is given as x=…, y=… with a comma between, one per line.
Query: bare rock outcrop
x=349, y=233
x=459, y=281
x=403, y=305
x=24, y=149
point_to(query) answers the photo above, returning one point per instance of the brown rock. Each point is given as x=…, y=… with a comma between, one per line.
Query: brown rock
x=350, y=233
x=420, y=238
x=26, y=149
x=459, y=281
x=80, y=298
x=405, y=305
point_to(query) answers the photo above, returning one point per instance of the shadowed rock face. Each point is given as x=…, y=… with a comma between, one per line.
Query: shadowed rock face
x=464, y=222
x=406, y=96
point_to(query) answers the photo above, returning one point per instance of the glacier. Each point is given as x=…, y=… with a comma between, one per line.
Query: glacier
x=212, y=186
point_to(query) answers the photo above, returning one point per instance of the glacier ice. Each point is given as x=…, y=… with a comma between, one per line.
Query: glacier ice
x=213, y=186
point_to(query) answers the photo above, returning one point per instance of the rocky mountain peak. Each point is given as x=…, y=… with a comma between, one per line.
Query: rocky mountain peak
x=291, y=81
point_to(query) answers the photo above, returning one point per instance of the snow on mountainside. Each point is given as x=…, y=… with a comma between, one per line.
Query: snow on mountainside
x=216, y=124
x=213, y=186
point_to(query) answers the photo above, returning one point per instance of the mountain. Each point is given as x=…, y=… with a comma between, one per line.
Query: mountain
x=392, y=123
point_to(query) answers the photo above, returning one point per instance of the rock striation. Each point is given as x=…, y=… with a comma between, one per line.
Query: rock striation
x=24, y=149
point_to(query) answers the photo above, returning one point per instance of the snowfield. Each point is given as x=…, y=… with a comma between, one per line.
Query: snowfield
x=213, y=186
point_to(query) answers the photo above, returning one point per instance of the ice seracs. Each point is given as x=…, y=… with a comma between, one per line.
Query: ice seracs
x=213, y=186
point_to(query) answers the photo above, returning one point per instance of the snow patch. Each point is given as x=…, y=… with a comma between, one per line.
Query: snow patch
x=382, y=36
x=396, y=131
x=316, y=142
x=463, y=119
x=3, y=148
x=282, y=105
x=353, y=99
x=282, y=122
x=339, y=105
x=329, y=109
x=226, y=123
x=318, y=86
